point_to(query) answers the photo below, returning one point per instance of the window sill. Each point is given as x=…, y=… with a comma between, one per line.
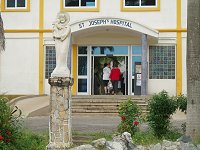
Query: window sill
x=15, y=10
x=80, y=9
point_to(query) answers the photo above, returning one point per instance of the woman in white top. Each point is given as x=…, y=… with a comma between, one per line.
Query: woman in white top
x=106, y=76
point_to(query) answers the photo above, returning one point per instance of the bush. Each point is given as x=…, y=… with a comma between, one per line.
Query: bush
x=160, y=107
x=182, y=103
x=8, y=126
x=11, y=135
x=130, y=117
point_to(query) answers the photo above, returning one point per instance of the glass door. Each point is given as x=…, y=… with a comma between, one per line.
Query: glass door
x=136, y=70
x=97, y=73
x=82, y=69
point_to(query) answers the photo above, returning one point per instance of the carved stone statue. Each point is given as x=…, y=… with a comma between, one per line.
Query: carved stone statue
x=61, y=35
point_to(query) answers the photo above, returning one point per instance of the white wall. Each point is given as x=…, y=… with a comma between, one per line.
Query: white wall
x=22, y=20
x=157, y=85
x=165, y=18
x=184, y=13
x=19, y=68
x=184, y=61
x=19, y=65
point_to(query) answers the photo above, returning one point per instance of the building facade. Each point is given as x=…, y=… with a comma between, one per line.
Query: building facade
x=147, y=38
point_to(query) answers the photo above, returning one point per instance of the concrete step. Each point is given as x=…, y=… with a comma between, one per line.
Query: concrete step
x=104, y=103
x=93, y=111
x=100, y=107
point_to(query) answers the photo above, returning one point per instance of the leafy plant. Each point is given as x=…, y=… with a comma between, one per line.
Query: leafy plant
x=182, y=103
x=8, y=125
x=130, y=117
x=160, y=107
x=11, y=135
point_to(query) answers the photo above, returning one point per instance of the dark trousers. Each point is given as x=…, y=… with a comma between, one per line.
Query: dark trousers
x=115, y=85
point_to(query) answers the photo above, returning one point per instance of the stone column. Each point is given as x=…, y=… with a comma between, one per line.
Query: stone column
x=144, y=79
x=60, y=135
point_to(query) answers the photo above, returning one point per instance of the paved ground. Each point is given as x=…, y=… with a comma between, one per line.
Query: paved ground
x=81, y=124
x=35, y=113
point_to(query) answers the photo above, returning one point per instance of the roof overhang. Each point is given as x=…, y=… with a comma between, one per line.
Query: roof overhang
x=113, y=22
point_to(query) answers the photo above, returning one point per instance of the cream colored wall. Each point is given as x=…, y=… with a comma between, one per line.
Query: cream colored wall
x=52, y=7
x=184, y=14
x=111, y=8
x=157, y=85
x=22, y=20
x=19, y=64
x=184, y=69
x=28, y=46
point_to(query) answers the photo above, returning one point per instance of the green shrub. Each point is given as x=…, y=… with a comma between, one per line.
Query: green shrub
x=31, y=141
x=182, y=103
x=11, y=135
x=160, y=107
x=130, y=117
x=8, y=125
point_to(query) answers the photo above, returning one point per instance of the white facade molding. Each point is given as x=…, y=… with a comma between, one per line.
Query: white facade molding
x=113, y=21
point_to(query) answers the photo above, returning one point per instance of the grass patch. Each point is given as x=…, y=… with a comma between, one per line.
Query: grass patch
x=148, y=138
x=197, y=142
x=93, y=136
x=32, y=141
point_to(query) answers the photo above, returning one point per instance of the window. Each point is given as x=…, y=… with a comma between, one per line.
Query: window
x=140, y=5
x=82, y=69
x=50, y=62
x=162, y=62
x=80, y=5
x=15, y=5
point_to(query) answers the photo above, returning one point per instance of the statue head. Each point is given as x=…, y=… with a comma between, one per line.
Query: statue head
x=63, y=18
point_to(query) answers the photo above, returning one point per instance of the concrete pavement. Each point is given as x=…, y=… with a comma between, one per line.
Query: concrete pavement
x=32, y=104
x=35, y=111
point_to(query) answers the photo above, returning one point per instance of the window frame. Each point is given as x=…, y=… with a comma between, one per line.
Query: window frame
x=4, y=8
x=47, y=64
x=175, y=62
x=80, y=8
x=140, y=8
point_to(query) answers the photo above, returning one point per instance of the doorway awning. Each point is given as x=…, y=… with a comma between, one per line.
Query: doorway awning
x=95, y=23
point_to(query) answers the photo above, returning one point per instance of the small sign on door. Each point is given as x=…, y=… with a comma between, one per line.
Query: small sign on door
x=139, y=76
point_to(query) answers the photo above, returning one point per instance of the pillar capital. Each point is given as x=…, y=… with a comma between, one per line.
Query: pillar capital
x=61, y=81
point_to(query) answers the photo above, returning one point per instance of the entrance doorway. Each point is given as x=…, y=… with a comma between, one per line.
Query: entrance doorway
x=90, y=62
x=97, y=66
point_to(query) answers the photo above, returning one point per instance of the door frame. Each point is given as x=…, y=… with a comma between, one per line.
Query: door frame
x=90, y=63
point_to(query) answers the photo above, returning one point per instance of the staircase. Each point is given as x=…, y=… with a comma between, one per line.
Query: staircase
x=104, y=104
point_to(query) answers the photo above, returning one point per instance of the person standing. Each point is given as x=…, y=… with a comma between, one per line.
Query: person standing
x=106, y=75
x=115, y=77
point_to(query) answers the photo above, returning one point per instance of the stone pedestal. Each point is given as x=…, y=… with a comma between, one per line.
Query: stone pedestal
x=60, y=136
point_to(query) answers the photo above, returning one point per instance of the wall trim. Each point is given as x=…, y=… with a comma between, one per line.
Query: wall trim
x=74, y=68
x=178, y=51
x=50, y=30
x=41, y=48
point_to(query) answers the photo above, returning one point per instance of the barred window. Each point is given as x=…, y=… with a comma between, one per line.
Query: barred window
x=50, y=62
x=162, y=62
